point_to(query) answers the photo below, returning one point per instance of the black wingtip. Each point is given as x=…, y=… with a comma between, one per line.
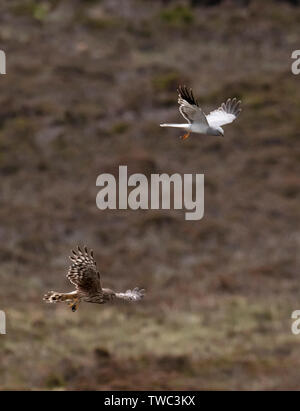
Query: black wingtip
x=78, y=252
x=187, y=95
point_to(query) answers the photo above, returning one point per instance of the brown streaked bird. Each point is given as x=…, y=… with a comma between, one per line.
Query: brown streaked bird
x=83, y=273
x=197, y=121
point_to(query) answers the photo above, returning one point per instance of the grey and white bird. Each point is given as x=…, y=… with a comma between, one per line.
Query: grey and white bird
x=198, y=122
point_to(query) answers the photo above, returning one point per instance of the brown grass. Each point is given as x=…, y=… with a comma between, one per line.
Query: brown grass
x=88, y=84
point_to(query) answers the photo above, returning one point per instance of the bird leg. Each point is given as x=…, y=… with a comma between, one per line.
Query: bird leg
x=185, y=136
x=74, y=305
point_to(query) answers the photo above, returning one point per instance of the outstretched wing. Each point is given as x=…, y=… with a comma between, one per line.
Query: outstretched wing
x=132, y=295
x=83, y=272
x=225, y=114
x=189, y=107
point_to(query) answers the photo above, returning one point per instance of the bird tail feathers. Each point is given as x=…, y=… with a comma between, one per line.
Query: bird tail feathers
x=55, y=297
x=174, y=125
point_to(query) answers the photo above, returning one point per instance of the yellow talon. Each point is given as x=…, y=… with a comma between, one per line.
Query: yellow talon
x=73, y=304
x=185, y=136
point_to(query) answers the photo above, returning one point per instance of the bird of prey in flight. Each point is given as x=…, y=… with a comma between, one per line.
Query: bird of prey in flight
x=198, y=122
x=83, y=273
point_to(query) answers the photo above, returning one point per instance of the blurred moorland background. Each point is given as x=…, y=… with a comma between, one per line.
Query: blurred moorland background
x=87, y=84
